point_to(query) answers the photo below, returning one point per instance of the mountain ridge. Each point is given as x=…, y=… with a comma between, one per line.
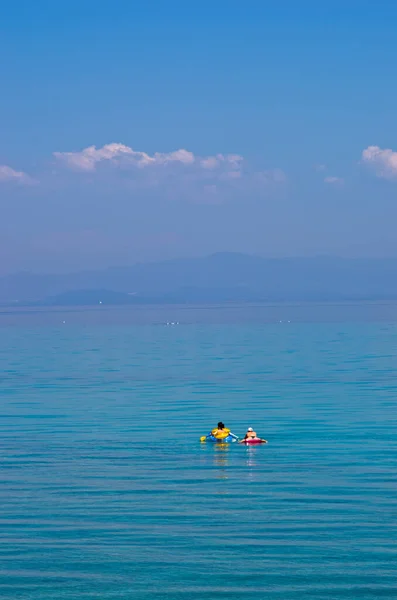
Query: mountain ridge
x=220, y=277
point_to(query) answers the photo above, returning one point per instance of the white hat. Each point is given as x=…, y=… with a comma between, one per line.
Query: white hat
x=250, y=429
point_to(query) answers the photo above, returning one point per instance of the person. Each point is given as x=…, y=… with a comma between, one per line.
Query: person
x=221, y=432
x=251, y=435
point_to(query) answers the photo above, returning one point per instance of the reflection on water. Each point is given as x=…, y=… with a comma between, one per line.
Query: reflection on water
x=251, y=460
x=220, y=456
x=221, y=459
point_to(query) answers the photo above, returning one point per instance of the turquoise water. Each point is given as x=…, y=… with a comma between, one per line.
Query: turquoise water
x=106, y=492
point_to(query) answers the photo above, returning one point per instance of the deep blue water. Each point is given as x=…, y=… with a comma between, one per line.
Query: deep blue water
x=107, y=493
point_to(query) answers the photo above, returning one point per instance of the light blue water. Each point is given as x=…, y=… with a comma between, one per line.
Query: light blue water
x=106, y=492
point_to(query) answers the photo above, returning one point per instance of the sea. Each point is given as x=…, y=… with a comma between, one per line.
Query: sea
x=107, y=493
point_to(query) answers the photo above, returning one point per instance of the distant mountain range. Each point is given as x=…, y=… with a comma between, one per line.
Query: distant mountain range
x=219, y=278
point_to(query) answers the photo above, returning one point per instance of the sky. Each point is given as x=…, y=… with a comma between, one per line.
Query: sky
x=143, y=131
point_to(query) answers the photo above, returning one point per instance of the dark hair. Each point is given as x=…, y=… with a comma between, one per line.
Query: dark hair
x=221, y=425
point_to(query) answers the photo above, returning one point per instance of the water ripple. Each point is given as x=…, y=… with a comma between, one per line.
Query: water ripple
x=106, y=493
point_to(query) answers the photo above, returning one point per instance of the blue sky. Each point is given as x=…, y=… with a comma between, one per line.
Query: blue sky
x=142, y=131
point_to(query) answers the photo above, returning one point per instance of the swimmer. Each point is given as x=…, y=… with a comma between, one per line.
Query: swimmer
x=251, y=435
x=221, y=432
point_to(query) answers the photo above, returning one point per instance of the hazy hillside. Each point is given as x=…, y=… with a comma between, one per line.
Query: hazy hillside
x=217, y=278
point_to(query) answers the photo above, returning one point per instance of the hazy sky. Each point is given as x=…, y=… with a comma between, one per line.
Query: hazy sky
x=146, y=130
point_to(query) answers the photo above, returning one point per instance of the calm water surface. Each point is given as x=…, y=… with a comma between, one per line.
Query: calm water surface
x=107, y=493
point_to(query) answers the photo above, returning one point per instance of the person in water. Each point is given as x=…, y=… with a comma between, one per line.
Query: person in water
x=251, y=435
x=220, y=432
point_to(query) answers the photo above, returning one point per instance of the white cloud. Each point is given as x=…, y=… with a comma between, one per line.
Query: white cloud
x=211, y=162
x=183, y=156
x=88, y=158
x=179, y=173
x=9, y=174
x=231, y=162
x=234, y=160
x=334, y=180
x=384, y=161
